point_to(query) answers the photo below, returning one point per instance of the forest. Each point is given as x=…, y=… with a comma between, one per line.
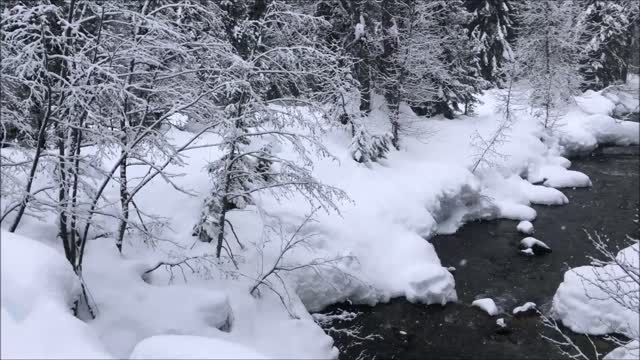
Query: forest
x=204, y=178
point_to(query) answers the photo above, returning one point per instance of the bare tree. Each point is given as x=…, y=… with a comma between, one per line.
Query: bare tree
x=549, y=47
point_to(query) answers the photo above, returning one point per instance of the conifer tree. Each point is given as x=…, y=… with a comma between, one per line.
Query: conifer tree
x=492, y=28
x=607, y=41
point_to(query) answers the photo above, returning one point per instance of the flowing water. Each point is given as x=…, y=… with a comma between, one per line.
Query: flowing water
x=488, y=264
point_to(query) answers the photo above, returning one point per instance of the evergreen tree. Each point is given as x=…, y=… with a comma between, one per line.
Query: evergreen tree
x=607, y=40
x=355, y=32
x=492, y=28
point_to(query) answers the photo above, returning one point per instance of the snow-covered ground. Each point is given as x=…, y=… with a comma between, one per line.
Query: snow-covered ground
x=377, y=243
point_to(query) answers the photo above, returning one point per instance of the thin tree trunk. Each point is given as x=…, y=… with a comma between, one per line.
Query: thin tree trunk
x=227, y=183
x=38, y=151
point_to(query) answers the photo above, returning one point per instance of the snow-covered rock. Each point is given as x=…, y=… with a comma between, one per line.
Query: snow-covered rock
x=527, y=252
x=528, y=308
x=502, y=328
x=487, y=305
x=525, y=227
x=538, y=247
x=586, y=308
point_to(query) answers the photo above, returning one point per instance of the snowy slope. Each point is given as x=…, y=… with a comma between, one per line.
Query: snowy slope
x=378, y=239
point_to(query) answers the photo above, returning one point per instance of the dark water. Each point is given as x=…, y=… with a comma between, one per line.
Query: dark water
x=495, y=269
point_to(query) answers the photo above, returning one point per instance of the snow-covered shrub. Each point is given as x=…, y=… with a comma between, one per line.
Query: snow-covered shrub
x=367, y=148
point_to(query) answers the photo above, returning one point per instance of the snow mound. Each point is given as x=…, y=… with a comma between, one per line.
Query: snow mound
x=534, y=244
x=132, y=309
x=584, y=307
x=191, y=347
x=556, y=176
x=487, y=305
x=526, y=307
x=527, y=252
x=525, y=227
x=431, y=285
x=38, y=290
x=630, y=351
x=585, y=133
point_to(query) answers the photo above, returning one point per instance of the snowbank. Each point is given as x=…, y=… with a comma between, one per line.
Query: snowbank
x=38, y=291
x=377, y=243
x=630, y=351
x=191, y=347
x=586, y=308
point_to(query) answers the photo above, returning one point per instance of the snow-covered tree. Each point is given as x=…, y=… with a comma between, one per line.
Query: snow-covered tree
x=607, y=25
x=549, y=48
x=108, y=76
x=276, y=84
x=47, y=85
x=492, y=28
x=455, y=76
x=165, y=56
x=355, y=32
x=428, y=61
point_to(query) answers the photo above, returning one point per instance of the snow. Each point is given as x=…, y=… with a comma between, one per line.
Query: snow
x=379, y=241
x=38, y=290
x=525, y=307
x=500, y=322
x=487, y=305
x=529, y=242
x=191, y=347
x=586, y=308
x=528, y=252
x=629, y=351
x=525, y=227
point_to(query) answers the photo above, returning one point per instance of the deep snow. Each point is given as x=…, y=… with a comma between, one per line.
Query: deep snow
x=378, y=241
x=583, y=302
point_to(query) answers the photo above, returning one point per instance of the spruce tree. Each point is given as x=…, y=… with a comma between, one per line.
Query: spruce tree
x=492, y=28
x=607, y=41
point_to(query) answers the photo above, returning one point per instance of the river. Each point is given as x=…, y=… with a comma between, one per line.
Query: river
x=494, y=268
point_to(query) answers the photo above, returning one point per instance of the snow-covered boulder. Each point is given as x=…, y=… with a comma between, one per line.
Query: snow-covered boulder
x=585, y=308
x=528, y=308
x=536, y=246
x=487, y=305
x=525, y=227
x=501, y=327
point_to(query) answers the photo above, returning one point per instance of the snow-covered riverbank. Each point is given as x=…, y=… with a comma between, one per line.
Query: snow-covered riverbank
x=377, y=243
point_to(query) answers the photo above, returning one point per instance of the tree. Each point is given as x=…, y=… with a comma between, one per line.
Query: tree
x=354, y=32
x=549, y=48
x=492, y=28
x=606, y=36
x=277, y=82
x=455, y=78
x=107, y=76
